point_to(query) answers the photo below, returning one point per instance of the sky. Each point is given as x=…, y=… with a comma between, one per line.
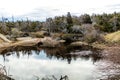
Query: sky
x=42, y=9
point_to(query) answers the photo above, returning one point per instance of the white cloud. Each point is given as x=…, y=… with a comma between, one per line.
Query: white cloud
x=47, y=8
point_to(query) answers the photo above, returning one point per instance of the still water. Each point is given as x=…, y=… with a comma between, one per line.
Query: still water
x=31, y=63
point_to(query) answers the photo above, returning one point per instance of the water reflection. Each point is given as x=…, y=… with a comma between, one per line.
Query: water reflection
x=27, y=62
x=62, y=53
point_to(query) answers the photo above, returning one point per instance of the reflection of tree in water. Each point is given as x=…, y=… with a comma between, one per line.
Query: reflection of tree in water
x=62, y=53
x=59, y=53
x=18, y=51
x=52, y=77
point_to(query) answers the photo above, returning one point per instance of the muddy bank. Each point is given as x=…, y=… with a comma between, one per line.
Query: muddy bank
x=109, y=66
x=112, y=53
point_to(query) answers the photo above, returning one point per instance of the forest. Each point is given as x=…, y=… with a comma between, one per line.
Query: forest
x=66, y=24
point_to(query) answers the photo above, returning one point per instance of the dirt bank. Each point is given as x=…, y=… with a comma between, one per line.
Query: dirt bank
x=112, y=53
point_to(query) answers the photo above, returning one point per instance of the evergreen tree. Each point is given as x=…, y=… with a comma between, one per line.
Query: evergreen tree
x=69, y=21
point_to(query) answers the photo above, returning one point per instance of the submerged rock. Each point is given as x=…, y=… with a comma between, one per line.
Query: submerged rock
x=82, y=53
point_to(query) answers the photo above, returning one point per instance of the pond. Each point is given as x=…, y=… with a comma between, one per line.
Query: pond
x=31, y=63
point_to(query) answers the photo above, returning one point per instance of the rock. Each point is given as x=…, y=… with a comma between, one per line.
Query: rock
x=39, y=34
x=2, y=37
x=79, y=43
x=61, y=41
x=22, y=43
x=49, y=42
x=1, y=41
x=82, y=53
x=27, y=42
x=23, y=38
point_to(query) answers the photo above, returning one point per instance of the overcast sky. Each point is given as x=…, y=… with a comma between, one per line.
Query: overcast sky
x=41, y=9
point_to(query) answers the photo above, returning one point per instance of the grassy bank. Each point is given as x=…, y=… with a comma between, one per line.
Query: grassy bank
x=113, y=37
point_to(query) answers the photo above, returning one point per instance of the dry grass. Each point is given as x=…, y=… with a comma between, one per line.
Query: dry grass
x=113, y=37
x=99, y=45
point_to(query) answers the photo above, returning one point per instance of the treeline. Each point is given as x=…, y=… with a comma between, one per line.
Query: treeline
x=67, y=24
